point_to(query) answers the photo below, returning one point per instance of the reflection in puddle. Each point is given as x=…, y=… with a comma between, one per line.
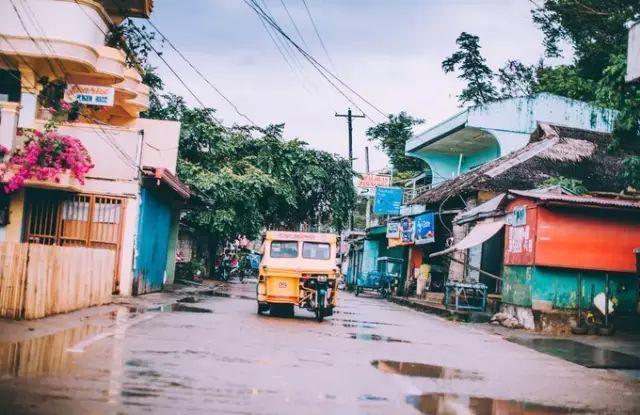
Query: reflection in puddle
x=169, y=308
x=358, y=326
x=376, y=337
x=424, y=370
x=42, y=355
x=450, y=404
x=580, y=353
x=377, y=323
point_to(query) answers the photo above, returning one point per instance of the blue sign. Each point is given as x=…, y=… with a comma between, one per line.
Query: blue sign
x=387, y=201
x=425, y=228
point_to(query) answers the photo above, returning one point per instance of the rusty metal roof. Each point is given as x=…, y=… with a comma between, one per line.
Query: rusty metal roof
x=577, y=200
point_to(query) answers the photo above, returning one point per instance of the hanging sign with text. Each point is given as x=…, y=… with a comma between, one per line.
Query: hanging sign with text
x=89, y=95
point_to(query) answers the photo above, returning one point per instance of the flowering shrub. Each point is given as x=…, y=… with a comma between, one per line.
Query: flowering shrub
x=44, y=156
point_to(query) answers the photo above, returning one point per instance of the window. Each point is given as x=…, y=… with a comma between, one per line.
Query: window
x=282, y=249
x=315, y=250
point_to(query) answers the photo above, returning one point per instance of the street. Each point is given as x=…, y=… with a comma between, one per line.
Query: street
x=183, y=359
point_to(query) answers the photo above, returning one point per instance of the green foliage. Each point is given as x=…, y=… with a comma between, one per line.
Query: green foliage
x=594, y=28
x=572, y=185
x=473, y=69
x=133, y=40
x=254, y=177
x=391, y=137
x=631, y=171
x=516, y=79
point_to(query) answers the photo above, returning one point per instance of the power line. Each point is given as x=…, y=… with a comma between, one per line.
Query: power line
x=315, y=28
x=295, y=26
x=159, y=55
x=235, y=108
x=317, y=65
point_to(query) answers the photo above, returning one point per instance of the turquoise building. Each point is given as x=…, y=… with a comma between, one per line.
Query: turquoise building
x=482, y=133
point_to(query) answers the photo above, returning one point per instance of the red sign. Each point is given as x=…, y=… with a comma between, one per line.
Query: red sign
x=373, y=181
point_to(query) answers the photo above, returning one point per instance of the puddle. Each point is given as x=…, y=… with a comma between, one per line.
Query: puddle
x=190, y=299
x=368, y=397
x=358, y=326
x=169, y=308
x=424, y=370
x=376, y=338
x=227, y=295
x=377, y=323
x=43, y=355
x=580, y=353
x=445, y=404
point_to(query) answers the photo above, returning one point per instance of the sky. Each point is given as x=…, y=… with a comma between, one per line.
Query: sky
x=389, y=51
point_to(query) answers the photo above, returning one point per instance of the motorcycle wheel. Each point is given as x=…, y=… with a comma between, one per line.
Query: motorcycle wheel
x=320, y=309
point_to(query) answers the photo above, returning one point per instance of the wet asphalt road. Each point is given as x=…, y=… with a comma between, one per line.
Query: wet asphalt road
x=371, y=357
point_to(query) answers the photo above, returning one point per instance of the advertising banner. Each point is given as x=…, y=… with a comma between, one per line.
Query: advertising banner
x=425, y=228
x=387, y=201
x=393, y=230
x=366, y=185
x=407, y=231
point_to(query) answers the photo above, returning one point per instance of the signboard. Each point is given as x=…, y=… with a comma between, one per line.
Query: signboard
x=425, y=228
x=387, y=201
x=89, y=95
x=393, y=230
x=407, y=230
x=367, y=184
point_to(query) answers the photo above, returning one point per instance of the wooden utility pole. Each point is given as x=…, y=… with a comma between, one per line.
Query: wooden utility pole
x=367, y=220
x=349, y=115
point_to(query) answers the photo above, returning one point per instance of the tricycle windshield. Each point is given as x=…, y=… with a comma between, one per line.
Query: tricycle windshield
x=391, y=268
x=316, y=250
x=284, y=249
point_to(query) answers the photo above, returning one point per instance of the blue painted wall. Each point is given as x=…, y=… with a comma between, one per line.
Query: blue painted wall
x=559, y=286
x=153, y=242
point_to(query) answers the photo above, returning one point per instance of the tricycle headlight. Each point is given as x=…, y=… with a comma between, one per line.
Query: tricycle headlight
x=322, y=278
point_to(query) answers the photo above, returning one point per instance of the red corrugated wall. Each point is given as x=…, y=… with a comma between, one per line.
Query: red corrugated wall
x=568, y=237
x=587, y=239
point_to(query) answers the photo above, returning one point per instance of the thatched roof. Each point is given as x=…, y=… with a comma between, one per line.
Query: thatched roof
x=552, y=151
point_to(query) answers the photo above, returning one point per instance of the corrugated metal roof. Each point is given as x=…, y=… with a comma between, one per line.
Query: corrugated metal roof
x=578, y=200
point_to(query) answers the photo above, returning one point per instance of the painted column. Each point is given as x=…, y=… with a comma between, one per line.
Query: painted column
x=29, y=97
x=9, y=112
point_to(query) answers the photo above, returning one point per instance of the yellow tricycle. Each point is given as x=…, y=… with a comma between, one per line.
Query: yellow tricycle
x=298, y=268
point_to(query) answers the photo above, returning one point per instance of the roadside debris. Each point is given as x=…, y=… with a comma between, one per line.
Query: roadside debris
x=503, y=319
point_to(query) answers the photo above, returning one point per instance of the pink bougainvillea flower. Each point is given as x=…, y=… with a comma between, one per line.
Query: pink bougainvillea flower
x=45, y=156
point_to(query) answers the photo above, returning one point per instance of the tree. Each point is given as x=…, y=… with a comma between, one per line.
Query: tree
x=473, y=69
x=516, y=79
x=391, y=137
x=254, y=178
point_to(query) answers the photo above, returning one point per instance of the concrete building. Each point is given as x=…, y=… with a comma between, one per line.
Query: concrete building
x=130, y=200
x=482, y=133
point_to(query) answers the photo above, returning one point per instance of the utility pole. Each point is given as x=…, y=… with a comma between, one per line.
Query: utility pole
x=367, y=216
x=349, y=115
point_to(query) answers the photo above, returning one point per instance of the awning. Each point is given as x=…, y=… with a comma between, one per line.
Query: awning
x=479, y=234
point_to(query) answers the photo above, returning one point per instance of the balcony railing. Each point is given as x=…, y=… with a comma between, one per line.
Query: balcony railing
x=411, y=193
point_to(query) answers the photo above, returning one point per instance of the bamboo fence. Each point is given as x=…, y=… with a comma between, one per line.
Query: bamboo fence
x=41, y=280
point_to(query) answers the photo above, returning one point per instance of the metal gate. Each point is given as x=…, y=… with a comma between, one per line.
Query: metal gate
x=67, y=219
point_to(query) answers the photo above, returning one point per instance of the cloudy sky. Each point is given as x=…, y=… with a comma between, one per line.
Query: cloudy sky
x=390, y=51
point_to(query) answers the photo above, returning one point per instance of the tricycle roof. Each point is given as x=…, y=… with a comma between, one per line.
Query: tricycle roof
x=300, y=236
